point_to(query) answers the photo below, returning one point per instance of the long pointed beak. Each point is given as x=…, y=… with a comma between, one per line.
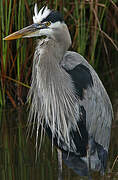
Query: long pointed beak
x=29, y=31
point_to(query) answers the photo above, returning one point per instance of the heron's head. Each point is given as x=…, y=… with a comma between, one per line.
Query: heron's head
x=49, y=23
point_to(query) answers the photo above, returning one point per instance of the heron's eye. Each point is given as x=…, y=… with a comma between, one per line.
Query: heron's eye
x=48, y=23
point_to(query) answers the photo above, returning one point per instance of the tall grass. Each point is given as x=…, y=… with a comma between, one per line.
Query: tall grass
x=94, y=31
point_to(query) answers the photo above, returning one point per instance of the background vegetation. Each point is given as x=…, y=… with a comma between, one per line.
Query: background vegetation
x=93, y=25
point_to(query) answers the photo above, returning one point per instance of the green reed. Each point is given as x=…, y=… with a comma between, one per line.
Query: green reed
x=91, y=36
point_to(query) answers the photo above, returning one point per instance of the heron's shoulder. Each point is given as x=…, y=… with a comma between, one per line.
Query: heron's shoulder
x=71, y=59
x=76, y=66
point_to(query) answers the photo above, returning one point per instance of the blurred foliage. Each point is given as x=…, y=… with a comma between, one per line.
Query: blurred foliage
x=94, y=30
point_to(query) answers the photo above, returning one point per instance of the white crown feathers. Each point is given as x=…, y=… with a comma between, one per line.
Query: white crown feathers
x=42, y=14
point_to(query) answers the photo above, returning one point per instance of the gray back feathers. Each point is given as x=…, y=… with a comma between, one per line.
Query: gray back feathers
x=98, y=107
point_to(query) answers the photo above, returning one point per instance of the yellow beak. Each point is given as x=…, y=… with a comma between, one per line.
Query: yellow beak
x=29, y=31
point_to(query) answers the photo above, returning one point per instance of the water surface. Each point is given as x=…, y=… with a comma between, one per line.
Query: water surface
x=18, y=154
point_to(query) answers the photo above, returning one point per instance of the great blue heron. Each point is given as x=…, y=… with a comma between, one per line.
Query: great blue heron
x=67, y=97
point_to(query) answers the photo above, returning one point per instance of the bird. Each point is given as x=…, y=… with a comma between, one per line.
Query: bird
x=68, y=100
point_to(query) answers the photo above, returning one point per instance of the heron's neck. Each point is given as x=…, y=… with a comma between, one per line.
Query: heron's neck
x=46, y=65
x=52, y=50
x=52, y=92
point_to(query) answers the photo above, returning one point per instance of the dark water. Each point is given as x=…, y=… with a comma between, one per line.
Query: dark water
x=17, y=153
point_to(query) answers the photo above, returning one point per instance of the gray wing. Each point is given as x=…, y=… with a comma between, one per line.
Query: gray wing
x=96, y=102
